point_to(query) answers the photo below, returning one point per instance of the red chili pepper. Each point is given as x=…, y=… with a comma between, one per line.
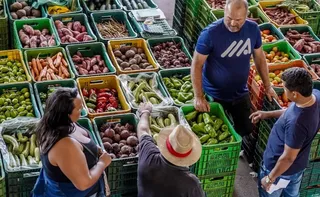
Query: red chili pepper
x=114, y=104
x=102, y=99
x=85, y=92
x=104, y=94
x=112, y=99
x=101, y=104
x=92, y=91
x=103, y=90
x=100, y=110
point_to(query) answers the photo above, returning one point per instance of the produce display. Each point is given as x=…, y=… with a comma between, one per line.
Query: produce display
x=217, y=4
x=301, y=6
x=281, y=15
x=112, y=29
x=21, y=10
x=89, y=65
x=170, y=55
x=274, y=78
x=276, y=56
x=101, y=100
x=131, y=58
x=23, y=150
x=303, y=42
x=101, y=4
x=11, y=71
x=159, y=122
x=49, y=68
x=57, y=9
x=253, y=18
x=267, y=37
x=14, y=103
x=283, y=101
x=142, y=88
x=72, y=32
x=135, y=4
x=209, y=128
x=316, y=68
x=120, y=141
x=33, y=38
x=179, y=88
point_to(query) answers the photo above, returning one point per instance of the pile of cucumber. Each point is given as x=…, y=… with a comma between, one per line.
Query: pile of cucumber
x=135, y=4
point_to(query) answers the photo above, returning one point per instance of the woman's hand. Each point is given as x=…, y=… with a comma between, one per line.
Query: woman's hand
x=105, y=158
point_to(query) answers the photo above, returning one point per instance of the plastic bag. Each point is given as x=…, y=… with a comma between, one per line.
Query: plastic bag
x=38, y=3
x=149, y=88
x=25, y=125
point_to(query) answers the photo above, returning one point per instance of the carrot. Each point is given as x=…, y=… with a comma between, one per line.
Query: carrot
x=48, y=76
x=60, y=71
x=50, y=63
x=32, y=73
x=58, y=59
x=39, y=66
x=58, y=77
x=43, y=64
x=34, y=67
x=63, y=76
x=41, y=61
x=43, y=73
x=65, y=71
x=64, y=62
x=50, y=70
x=53, y=76
x=54, y=57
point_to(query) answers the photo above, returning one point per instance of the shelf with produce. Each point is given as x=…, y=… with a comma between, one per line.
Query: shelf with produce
x=115, y=132
x=313, y=60
x=181, y=56
x=269, y=33
x=91, y=6
x=220, y=143
x=120, y=52
x=102, y=95
x=114, y=24
x=55, y=10
x=13, y=68
x=143, y=87
x=128, y=5
x=89, y=59
x=48, y=64
x=43, y=28
x=43, y=89
x=73, y=29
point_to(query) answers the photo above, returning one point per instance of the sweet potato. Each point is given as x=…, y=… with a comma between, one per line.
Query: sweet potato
x=66, y=31
x=76, y=26
x=28, y=29
x=80, y=36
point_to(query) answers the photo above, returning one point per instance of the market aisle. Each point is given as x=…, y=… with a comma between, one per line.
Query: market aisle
x=245, y=185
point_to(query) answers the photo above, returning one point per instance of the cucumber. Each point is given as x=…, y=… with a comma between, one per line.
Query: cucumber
x=134, y=5
x=26, y=150
x=21, y=147
x=145, y=5
x=37, y=154
x=23, y=160
x=12, y=140
x=103, y=7
x=22, y=138
x=140, y=6
x=32, y=144
x=31, y=161
x=12, y=161
x=17, y=160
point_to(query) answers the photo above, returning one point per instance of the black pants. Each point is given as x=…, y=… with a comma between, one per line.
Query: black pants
x=239, y=110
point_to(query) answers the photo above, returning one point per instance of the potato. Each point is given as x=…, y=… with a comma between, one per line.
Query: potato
x=15, y=6
x=134, y=49
x=124, y=65
x=24, y=4
x=133, y=61
x=117, y=138
x=14, y=15
x=123, y=57
x=107, y=146
x=126, y=149
x=135, y=67
x=140, y=50
x=130, y=53
x=127, y=69
x=143, y=56
x=21, y=13
x=150, y=67
x=132, y=141
x=124, y=134
x=119, y=61
x=117, y=53
x=138, y=58
x=124, y=49
x=36, y=13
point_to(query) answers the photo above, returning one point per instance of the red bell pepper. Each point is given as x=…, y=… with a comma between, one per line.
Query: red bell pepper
x=112, y=99
x=114, y=104
x=92, y=91
x=103, y=90
x=102, y=99
x=100, y=110
x=85, y=92
x=101, y=105
x=104, y=94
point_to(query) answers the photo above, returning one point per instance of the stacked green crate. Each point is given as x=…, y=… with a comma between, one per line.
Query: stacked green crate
x=310, y=180
x=179, y=16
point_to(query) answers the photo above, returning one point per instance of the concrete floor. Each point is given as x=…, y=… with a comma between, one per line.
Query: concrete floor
x=245, y=185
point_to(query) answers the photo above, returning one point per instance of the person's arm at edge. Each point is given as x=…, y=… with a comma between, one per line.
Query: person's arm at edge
x=274, y=114
x=196, y=73
x=143, y=125
x=261, y=65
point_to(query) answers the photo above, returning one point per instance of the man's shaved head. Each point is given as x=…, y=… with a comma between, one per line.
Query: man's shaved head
x=235, y=14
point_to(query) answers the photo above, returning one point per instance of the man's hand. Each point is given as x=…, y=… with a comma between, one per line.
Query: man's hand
x=257, y=116
x=201, y=104
x=271, y=93
x=145, y=107
x=264, y=184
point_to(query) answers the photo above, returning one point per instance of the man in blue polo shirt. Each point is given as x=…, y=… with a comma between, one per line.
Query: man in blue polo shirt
x=221, y=64
x=289, y=143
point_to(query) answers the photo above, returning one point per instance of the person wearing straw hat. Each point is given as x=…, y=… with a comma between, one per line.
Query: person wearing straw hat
x=164, y=170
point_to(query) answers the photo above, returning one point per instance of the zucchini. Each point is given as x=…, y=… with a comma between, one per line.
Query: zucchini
x=145, y=5
x=26, y=150
x=22, y=138
x=108, y=7
x=21, y=147
x=12, y=140
x=32, y=144
x=23, y=160
x=12, y=161
x=31, y=161
x=140, y=6
x=134, y=5
x=17, y=160
x=37, y=154
x=114, y=6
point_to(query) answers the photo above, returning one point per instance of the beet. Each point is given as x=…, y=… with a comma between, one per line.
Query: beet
x=101, y=134
x=117, y=129
x=124, y=134
x=123, y=142
x=107, y=146
x=109, y=133
x=124, y=156
x=126, y=149
x=116, y=148
x=132, y=141
x=129, y=127
x=106, y=139
x=117, y=138
x=113, y=156
x=132, y=155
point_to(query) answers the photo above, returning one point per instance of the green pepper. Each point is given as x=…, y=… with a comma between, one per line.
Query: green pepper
x=213, y=117
x=209, y=130
x=187, y=78
x=223, y=136
x=91, y=105
x=166, y=80
x=93, y=98
x=174, y=93
x=219, y=132
x=183, y=97
x=200, y=118
x=198, y=129
x=207, y=119
x=176, y=83
x=224, y=128
x=190, y=116
x=43, y=96
x=193, y=123
x=86, y=99
x=212, y=141
x=217, y=124
x=177, y=102
x=232, y=139
x=204, y=138
x=186, y=87
x=202, y=125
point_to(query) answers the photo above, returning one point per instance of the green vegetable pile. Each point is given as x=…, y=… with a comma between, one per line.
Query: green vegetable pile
x=135, y=4
x=15, y=103
x=300, y=5
x=11, y=71
x=159, y=122
x=23, y=151
x=180, y=88
x=45, y=95
x=210, y=129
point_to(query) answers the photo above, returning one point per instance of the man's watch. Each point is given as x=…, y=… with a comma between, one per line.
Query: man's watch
x=268, y=180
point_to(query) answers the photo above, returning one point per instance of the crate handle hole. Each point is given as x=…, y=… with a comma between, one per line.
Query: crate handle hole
x=67, y=19
x=96, y=82
x=217, y=178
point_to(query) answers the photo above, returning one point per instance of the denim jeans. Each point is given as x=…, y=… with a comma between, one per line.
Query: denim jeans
x=292, y=190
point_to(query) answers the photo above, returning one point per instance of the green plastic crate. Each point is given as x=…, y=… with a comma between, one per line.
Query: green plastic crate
x=312, y=59
x=4, y=34
x=82, y=18
x=221, y=185
x=43, y=53
x=86, y=123
x=150, y=3
x=43, y=86
x=218, y=158
x=206, y=18
x=177, y=25
x=312, y=17
x=257, y=13
x=119, y=16
x=88, y=11
x=218, y=13
x=39, y=24
x=311, y=175
x=89, y=50
x=19, y=86
x=315, y=148
x=154, y=41
x=122, y=172
x=78, y=9
x=283, y=46
x=300, y=29
x=314, y=192
x=274, y=31
x=179, y=10
x=2, y=179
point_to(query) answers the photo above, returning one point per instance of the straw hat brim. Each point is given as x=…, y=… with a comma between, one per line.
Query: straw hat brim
x=184, y=162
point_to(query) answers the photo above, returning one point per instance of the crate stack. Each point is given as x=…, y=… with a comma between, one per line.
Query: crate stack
x=179, y=16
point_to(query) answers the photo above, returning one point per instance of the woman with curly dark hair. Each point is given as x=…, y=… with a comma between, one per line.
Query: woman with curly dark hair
x=73, y=164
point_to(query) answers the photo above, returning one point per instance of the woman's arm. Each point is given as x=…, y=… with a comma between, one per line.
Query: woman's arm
x=73, y=164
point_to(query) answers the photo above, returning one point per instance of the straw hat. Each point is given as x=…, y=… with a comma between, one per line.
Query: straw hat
x=179, y=146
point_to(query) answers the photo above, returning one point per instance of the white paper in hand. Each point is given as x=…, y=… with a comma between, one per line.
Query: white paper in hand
x=282, y=183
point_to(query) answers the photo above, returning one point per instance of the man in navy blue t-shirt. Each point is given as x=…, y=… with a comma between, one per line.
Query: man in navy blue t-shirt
x=289, y=143
x=221, y=64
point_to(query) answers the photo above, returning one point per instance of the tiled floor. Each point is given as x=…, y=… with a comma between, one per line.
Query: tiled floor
x=245, y=185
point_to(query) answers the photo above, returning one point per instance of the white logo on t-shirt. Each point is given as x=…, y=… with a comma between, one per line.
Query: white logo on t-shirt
x=234, y=47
